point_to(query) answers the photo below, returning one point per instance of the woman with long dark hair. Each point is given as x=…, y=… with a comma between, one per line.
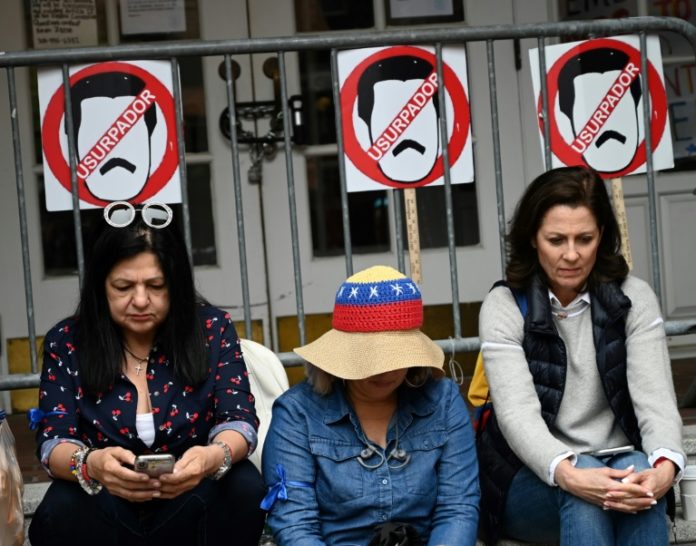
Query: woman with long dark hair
x=145, y=367
x=585, y=439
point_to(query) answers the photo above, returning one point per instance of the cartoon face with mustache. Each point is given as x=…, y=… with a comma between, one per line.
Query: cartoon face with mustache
x=583, y=84
x=97, y=102
x=383, y=90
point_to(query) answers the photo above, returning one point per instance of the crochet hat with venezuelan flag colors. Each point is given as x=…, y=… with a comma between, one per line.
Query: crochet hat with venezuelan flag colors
x=376, y=321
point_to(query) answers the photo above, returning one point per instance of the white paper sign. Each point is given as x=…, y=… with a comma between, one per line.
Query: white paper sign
x=681, y=92
x=152, y=16
x=407, y=9
x=391, y=117
x=125, y=131
x=596, y=105
x=64, y=23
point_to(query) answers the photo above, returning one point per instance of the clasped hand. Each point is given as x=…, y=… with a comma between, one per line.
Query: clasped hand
x=623, y=490
x=108, y=466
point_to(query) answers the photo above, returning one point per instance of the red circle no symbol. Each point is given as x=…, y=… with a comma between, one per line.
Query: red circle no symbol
x=658, y=98
x=460, y=126
x=53, y=126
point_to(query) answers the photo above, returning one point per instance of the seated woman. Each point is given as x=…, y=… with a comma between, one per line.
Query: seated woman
x=586, y=369
x=372, y=436
x=144, y=366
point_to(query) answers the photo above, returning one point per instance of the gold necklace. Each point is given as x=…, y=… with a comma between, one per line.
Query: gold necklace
x=141, y=361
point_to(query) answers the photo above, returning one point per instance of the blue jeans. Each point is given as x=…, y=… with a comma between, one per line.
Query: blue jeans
x=536, y=512
x=212, y=513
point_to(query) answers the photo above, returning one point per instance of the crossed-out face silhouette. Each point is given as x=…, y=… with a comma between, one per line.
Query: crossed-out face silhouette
x=385, y=87
x=118, y=170
x=607, y=140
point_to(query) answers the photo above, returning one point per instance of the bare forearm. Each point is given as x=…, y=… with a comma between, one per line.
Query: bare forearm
x=237, y=444
x=59, y=462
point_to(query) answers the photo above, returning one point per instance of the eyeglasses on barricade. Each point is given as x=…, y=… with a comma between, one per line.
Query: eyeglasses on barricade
x=122, y=213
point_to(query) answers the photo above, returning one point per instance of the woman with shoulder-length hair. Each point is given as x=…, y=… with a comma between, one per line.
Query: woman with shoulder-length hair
x=145, y=368
x=585, y=439
x=373, y=437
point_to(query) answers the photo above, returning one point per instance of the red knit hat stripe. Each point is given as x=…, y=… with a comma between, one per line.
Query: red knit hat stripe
x=404, y=315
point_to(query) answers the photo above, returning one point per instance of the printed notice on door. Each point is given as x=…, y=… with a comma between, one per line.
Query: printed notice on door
x=152, y=16
x=64, y=23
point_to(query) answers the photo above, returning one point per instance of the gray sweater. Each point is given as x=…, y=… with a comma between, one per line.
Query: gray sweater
x=585, y=420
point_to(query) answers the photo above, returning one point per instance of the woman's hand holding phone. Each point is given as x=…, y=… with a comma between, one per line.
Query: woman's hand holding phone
x=109, y=466
x=195, y=464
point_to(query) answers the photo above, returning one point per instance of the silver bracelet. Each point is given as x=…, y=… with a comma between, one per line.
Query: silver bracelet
x=89, y=485
x=226, y=462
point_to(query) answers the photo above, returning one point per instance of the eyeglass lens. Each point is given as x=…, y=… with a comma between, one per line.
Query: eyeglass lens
x=121, y=215
x=155, y=216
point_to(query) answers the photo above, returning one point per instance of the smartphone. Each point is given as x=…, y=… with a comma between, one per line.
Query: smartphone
x=608, y=452
x=155, y=464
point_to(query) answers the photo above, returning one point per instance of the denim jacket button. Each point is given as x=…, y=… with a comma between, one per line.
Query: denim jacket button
x=383, y=517
x=385, y=481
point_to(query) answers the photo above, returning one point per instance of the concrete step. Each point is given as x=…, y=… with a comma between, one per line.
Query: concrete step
x=33, y=493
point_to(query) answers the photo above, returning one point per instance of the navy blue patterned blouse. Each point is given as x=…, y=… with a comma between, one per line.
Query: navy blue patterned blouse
x=184, y=416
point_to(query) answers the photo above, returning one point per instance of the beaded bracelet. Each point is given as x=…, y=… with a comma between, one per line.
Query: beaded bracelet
x=73, y=463
x=89, y=485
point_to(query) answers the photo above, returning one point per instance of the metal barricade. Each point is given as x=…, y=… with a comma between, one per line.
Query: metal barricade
x=334, y=42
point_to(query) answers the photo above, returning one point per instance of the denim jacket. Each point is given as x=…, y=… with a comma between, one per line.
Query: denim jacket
x=333, y=500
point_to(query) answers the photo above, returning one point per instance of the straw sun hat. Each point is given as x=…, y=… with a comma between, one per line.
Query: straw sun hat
x=376, y=321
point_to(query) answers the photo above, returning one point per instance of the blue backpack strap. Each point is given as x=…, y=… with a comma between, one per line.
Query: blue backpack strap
x=521, y=299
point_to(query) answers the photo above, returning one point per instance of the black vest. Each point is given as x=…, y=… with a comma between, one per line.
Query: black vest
x=546, y=355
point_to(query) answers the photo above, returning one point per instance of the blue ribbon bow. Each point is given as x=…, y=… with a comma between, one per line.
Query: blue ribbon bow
x=279, y=489
x=35, y=416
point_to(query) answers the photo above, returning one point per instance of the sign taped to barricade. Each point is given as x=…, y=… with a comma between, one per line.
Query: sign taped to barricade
x=391, y=117
x=124, y=123
x=596, y=105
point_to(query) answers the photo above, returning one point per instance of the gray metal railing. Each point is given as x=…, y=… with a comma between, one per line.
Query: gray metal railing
x=333, y=42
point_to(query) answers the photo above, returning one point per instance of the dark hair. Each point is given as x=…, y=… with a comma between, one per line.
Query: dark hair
x=99, y=339
x=574, y=187
x=592, y=61
x=109, y=84
x=401, y=67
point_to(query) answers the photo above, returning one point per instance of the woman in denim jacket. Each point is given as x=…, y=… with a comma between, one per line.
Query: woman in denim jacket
x=371, y=436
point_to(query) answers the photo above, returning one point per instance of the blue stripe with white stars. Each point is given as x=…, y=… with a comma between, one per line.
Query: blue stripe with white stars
x=376, y=293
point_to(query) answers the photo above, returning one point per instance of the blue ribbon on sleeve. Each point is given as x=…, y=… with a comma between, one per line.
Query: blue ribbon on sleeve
x=35, y=416
x=279, y=489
